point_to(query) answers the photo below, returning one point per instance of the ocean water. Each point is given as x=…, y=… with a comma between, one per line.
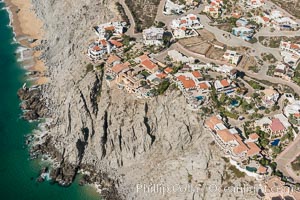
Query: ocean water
x=18, y=174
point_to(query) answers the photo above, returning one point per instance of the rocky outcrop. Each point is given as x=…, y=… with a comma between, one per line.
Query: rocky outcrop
x=124, y=142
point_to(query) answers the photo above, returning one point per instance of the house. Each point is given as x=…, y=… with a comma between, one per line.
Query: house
x=226, y=69
x=153, y=36
x=186, y=26
x=186, y=83
x=168, y=70
x=255, y=3
x=232, y=57
x=97, y=49
x=214, y=9
x=276, y=189
x=284, y=23
x=243, y=32
x=104, y=31
x=173, y=8
x=242, y=22
x=204, y=87
x=270, y=96
x=230, y=141
x=276, y=126
x=118, y=68
x=113, y=60
x=178, y=57
x=149, y=66
x=283, y=71
x=290, y=47
x=225, y=86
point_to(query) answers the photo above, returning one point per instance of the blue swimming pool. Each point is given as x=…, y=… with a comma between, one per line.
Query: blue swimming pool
x=234, y=103
x=275, y=142
x=199, y=98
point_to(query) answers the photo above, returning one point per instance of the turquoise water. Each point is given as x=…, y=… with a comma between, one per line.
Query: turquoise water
x=17, y=173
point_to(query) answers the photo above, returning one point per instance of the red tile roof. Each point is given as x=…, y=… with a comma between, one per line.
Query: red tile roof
x=113, y=58
x=253, y=136
x=148, y=64
x=161, y=75
x=253, y=149
x=187, y=82
x=197, y=74
x=96, y=48
x=116, y=43
x=203, y=85
x=168, y=70
x=143, y=57
x=224, y=83
x=276, y=125
x=212, y=121
x=120, y=67
x=225, y=135
x=110, y=28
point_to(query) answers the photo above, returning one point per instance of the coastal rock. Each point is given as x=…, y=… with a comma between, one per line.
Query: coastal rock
x=126, y=143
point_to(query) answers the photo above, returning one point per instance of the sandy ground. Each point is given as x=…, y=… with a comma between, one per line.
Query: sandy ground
x=28, y=26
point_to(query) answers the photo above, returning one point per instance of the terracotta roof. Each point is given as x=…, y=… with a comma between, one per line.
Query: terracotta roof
x=110, y=28
x=203, y=85
x=113, y=58
x=149, y=64
x=103, y=42
x=276, y=125
x=297, y=115
x=96, y=48
x=161, y=75
x=253, y=149
x=187, y=82
x=262, y=170
x=116, y=43
x=168, y=70
x=295, y=46
x=225, y=135
x=193, y=18
x=253, y=136
x=143, y=57
x=120, y=67
x=212, y=121
x=183, y=28
x=224, y=83
x=197, y=74
x=266, y=19
x=241, y=147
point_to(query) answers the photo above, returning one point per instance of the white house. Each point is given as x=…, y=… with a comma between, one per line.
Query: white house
x=232, y=57
x=173, y=8
x=153, y=36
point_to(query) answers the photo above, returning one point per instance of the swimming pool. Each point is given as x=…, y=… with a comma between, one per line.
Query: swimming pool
x=199, y=98
x=275, y=142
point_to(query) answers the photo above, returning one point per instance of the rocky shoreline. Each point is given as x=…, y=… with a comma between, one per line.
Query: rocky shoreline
x=118, y=140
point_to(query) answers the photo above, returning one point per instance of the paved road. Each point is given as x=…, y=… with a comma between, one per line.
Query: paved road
x=131, y=30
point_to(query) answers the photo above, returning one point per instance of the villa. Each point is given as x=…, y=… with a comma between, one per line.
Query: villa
x=178, y=57
x=243, y=32
x=186, y=26
x=232, y=57
x=230, y=141
x=290, y=48
x=103, y=31
x=281, y=22
x=99, y=48
x=255, y=3
x=153, y=36
x=173, y=8
x=270, y=96
x=283, y=71
x=225, y=86
x=214, y=8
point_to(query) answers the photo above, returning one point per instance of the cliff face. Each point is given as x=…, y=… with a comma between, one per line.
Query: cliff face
x=132, y=141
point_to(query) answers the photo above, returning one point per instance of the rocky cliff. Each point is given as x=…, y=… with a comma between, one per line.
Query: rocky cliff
x=125, y=142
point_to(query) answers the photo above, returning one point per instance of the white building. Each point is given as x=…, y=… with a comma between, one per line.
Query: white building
x=178, y=57
x=186, y=26
x=153, y=36
x=232, y=57
x=173, y=8
x=115, y=28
